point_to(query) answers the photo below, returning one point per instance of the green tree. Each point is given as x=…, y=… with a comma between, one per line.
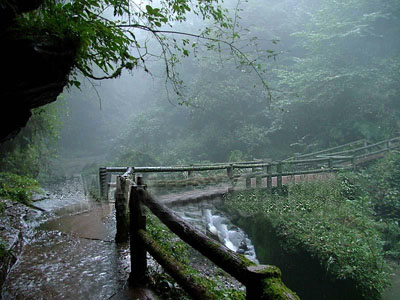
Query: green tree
x=345, y=80
x=113, y=35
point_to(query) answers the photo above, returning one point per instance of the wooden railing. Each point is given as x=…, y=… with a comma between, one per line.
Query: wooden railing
x=261, y=281
x=357, y=148
x=325, y=161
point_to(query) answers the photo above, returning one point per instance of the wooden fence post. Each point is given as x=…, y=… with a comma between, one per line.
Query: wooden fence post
x=137, y=221
x=121, y=211
x=266, y=283
x=102, y=181
x=229, y=171
x=269, y=178
x=330, y=163
x=248, y=182
x=353, y=163
x=279, y=177
x=258, y=182
x=108, y=181
x=190, y=172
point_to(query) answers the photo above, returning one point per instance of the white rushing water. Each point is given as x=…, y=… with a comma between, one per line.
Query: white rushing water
x=209, y=219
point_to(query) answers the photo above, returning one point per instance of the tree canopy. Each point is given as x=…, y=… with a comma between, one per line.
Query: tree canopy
x=116, y=35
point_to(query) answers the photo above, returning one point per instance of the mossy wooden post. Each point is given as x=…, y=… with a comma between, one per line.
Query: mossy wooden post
x=102, y=181
x=388, y=146
x=279, y=177
x=258, y=182
x=248, y=182
x=108, y=181
x=190, y=172
x=121, y=211
x=330, y=164
x=229, y=171
x=266, y=284
x=137, y=221
x=353, y=163
x=269, y=178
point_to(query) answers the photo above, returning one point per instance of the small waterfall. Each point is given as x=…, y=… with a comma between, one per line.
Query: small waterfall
x=235, y=239
x=207, y=218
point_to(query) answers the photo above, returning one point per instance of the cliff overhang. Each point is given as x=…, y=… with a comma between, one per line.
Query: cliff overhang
x=35, y=71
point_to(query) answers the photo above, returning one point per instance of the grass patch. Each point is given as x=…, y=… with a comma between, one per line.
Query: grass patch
x=321, y=220
x=17, y=188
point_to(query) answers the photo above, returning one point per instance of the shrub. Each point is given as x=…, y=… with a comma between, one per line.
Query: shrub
x=17, y=188
x=318, y=218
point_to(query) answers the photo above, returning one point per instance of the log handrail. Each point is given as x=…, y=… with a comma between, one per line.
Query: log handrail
x=261, y=281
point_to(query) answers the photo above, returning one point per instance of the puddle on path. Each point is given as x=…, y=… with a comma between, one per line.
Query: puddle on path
x=72, y=257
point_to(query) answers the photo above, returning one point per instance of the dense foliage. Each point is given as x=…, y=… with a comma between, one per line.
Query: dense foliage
x=30, y=153
x=317, y=218
x=379, y=187
x=17, y=188
x=334, y=81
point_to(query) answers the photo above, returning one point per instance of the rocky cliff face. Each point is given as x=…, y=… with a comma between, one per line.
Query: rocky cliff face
x=34, y=71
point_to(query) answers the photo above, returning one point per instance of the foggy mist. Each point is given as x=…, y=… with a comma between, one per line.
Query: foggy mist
x=278, y=120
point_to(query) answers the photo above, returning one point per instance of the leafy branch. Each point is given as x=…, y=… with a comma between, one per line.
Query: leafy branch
x=104, y=43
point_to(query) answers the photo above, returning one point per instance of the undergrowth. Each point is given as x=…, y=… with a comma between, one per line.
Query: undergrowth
x=328, y=221
x=17, y=188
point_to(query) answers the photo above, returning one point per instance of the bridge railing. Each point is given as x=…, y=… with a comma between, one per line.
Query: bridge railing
x=261, y=281
x=324, y=161
x=357, y=148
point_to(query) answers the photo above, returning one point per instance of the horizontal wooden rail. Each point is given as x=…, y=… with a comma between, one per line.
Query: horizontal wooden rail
x=262, y=282
x=359, y=149
x=333, y=148
x=367, y=145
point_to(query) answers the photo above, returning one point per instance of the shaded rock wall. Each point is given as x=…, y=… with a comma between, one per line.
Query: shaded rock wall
x=13, y=231
x=34, y=71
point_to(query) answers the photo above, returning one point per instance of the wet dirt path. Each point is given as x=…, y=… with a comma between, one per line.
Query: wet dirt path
x=72, y=255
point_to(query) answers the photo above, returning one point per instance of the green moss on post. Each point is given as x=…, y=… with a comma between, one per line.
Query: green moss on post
x=266, y=284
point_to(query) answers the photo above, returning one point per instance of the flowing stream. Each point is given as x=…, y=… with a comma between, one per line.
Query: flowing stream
x=206, y=216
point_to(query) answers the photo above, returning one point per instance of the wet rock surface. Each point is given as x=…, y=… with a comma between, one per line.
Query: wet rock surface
x=14, y=232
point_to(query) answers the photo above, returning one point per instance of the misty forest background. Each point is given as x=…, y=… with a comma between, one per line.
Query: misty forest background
x=315, y=74
x=332, y=70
